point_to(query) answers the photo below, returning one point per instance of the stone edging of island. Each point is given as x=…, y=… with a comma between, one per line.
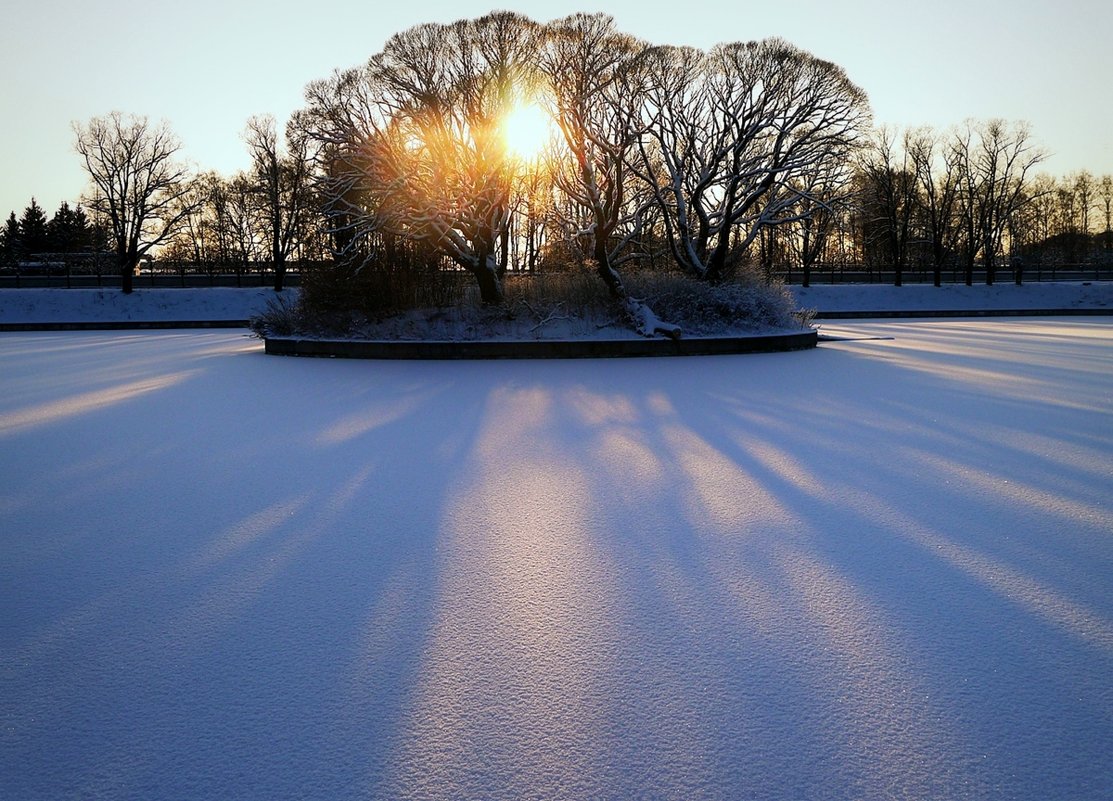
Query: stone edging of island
x=943, y=313
x=540, y=348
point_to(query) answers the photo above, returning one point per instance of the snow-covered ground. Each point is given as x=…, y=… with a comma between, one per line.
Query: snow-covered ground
x=142, y=305
x=150, y=305
x=1002, y=296
x=878, y=569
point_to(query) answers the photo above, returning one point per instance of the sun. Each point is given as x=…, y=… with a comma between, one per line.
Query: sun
x=526, y=130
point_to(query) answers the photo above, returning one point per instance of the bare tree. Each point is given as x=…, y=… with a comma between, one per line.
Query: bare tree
x=282, y=183
x=139, y=186
x=996, y=159
x=1105, y=197
x=1042, y=210
x=729, y=135
x=890, y=196
x=823, y=201
x=937, y=177
x=590, y=75
x=1085, y=191
x=194, y=241
x=412, y=144
x=533, y=216
x=238, y=212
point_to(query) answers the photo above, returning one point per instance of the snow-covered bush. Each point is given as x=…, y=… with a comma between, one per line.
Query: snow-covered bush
x=703, y=309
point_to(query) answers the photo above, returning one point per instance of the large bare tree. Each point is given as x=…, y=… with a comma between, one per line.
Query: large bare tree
x=412, y=144
x=140, y=187
x=822, y=202
x=734, y=138
x=890, y=195
x=592, y=87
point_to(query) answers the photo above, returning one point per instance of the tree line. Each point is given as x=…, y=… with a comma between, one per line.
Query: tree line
x=969, y=198
x=747, y=157
x=33, y=234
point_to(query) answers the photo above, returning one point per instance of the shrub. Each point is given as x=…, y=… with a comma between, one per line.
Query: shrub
x=746, y=304
x=282, y=317
x=431, y=303
x=374, y=290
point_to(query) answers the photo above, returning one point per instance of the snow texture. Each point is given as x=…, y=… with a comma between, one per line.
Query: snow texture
x=1002, y=296
x=878, y=569
x=142, y=305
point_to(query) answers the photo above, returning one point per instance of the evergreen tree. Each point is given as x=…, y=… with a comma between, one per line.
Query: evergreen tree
x=11, y=243
x=68, y=231
x=82, y=231
x=32, y=229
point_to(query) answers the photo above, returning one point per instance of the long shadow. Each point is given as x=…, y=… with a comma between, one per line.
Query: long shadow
x=843, y=571
x=946, y=466
x=698, y=678
x=961, y=592
x=727, y=653
x=235, y=585
x=219, y=571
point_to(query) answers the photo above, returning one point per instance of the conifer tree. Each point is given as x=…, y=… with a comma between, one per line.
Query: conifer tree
x=32, y=229
x=68, y=230
x=11, y=242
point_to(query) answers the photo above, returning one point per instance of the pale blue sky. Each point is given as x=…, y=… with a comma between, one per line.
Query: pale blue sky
x=207, y=66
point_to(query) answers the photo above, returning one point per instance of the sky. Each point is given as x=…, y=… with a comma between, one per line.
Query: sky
x=208, y=65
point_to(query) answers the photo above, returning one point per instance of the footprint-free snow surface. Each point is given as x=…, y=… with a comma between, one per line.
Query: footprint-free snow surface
x=880, y=569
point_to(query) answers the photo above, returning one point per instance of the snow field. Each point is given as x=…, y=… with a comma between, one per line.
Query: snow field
x=875, y=570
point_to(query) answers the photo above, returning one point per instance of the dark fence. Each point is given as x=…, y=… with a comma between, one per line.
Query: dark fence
x=57, y=276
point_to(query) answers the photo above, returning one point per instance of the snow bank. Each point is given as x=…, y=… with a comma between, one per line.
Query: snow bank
x=955, y=297
x=142, y=305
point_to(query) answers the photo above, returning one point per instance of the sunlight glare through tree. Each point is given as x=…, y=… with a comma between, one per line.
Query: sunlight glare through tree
x=526, y=130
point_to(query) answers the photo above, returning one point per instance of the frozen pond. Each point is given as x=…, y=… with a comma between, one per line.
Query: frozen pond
x=880, y=569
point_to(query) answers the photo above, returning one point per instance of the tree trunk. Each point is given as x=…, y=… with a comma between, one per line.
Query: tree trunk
x=603, y=269
x=486, y=275
x=637, y=312
x=127, y=273
x=895, y=252
x=277, y=254
x=716, y=265
x=279, y=273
